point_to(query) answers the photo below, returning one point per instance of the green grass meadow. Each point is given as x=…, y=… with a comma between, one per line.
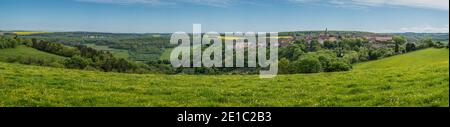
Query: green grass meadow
x=119, y=53
x=26, y=52
x=419, y=78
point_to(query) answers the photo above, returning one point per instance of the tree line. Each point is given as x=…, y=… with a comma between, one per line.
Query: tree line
x=54, y=48
x=301, y=56
x=77, y=57
x=93, y=59
x=141, y=47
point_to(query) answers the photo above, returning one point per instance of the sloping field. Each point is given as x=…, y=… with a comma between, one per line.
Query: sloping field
x=415, y=79
x=26, y=52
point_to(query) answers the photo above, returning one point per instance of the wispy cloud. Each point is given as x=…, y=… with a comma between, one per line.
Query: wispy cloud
x=219, y=3
x=122, y=1
x=426, y=29
x=429, y=4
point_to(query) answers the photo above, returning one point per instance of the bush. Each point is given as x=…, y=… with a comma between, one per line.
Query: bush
x=13, y=59
x=363, y=54
x=90, y=68
x=54, y=63
x=380, y=53
x=284, y=66
x=352, y=57
x=439, y=45
x=7, y=43
x=325, y=60
x=410, y=47
x=308, y=65
x=291, y=52
x=77, y=62
x=338, y=66
x=32, y=61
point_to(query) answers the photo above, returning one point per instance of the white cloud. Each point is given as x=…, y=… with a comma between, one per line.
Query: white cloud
x=426, y=29
x=416, y=29
x=198, y=2
x=122, y=1
x=429, y=4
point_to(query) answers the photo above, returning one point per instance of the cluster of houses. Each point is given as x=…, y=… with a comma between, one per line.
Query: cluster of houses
x=92, y=37
x=378, y=38
x=325, y=36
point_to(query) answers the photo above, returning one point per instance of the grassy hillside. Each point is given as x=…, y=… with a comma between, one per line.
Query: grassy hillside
x=166, y=54
x=415, y=79
x=119, y=53
x=417, y=58
x=26, y=52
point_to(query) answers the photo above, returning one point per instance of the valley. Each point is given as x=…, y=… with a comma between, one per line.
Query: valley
x=419, y=78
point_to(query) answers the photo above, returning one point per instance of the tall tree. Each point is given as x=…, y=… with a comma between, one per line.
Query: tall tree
x=398, y=40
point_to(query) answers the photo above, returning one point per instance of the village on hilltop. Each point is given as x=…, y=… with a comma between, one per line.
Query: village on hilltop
x=335, y=36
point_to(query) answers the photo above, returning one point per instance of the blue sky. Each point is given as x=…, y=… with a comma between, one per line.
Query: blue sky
x=151, y=16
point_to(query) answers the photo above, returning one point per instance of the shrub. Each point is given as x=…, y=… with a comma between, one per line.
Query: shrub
x=291, y=52
x=7, y=43
x=13, y=59
x=352, y=57
x=76, y=62
x=410, y=47
x=32, y=61
x=338, y=66
x=325, y=60
x=439, y=45
x=284, y=66
x=380, y=53
x=308, y=65
x=54, y=63
x=90, y=68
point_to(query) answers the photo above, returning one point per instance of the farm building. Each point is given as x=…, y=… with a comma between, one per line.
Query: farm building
x=378, y=38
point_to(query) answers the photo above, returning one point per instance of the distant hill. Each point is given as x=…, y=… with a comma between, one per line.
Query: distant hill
x=332, y=32
x=416, y=36
x=418, y=78
x=102, y=35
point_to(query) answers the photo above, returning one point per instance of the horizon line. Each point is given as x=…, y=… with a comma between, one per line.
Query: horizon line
x=77, y=31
